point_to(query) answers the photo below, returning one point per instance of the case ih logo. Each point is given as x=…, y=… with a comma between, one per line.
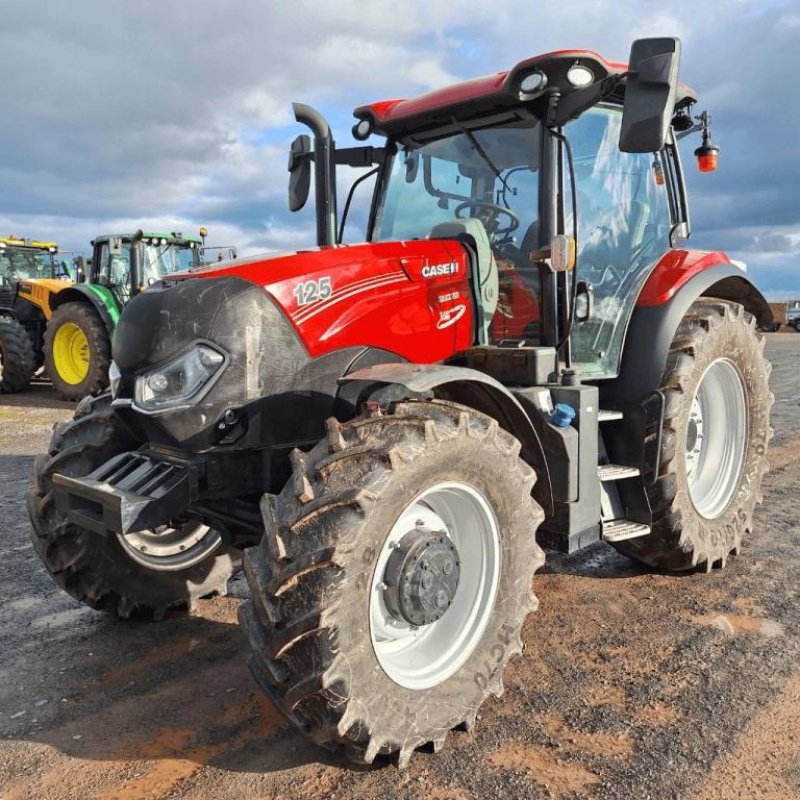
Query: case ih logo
x=435, y=270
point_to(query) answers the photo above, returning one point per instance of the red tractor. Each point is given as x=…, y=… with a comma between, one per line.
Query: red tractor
x=520, y=355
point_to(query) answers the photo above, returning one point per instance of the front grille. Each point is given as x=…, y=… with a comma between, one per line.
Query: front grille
x=6, y=296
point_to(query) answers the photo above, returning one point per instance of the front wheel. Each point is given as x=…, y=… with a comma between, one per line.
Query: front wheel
x=390, y=589
x=714, y=442
x=77, y=351
x=144, y=573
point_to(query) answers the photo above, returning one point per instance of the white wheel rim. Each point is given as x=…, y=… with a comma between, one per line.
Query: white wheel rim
x=716, y=438
x=425, y=656
x=170, y=549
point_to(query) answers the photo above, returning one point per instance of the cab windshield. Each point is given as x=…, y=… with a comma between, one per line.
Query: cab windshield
x=489, y=174
x=161, y=260
x=19, y=264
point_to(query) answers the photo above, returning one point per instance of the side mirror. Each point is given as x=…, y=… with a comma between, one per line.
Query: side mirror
x=649, y=94
x=299, y=172
x=80, y=269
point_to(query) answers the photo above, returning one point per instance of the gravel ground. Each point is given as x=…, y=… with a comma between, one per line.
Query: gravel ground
x=633, y=685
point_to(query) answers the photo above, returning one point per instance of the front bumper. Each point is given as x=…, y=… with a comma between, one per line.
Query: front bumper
x=130, y=492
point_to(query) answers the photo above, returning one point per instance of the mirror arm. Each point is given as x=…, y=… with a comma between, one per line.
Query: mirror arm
x=575, y=103
x=361, y=156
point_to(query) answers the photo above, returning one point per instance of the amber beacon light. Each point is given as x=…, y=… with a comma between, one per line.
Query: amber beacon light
x=708, y=152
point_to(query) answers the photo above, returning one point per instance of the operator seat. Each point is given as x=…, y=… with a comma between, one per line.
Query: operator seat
x=473, y=233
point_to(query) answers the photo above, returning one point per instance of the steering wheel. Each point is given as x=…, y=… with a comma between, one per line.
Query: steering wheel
x=491, y=213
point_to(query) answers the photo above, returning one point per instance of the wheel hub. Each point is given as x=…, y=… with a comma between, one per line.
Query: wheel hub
x=421, y=577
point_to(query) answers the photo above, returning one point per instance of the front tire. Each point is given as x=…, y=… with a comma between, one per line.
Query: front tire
x=714, y=443
x=17, y=358
x=77, y=351
x=418, y=522
x=108, y=572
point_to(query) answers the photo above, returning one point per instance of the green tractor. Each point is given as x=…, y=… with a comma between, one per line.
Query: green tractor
x=77, y=341
x=30, y=278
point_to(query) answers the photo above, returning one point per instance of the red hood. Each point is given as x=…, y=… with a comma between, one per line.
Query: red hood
x=410, y=298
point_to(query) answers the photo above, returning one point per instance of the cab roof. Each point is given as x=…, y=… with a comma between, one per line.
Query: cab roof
x=494, y=94
x=32, y=244
x=172, y=238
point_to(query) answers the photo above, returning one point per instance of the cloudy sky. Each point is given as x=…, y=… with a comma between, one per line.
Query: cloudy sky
x=174, y=114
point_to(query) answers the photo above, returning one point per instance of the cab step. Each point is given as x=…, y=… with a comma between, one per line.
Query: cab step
x=617, y=530
x=608, y=415
x=616, y=472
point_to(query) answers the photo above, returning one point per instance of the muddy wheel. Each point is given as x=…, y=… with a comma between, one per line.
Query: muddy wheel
x=17, y=359
x=394, y=578
x=144, y=574
x=77, y=351
x=716, y=432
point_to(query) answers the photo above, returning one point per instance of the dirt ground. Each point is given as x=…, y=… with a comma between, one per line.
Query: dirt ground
x=633, y=685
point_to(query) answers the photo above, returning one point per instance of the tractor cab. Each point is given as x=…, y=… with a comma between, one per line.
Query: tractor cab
x=494, y=176
x=566, y=153
x=25, y=259
x=128, y=263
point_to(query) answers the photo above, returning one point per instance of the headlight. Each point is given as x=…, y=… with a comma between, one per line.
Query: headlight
x=178, y=381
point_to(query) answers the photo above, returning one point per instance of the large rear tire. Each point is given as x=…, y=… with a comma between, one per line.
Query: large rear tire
x=714, y=445
x=77, y=351
x=17, y=358
x=390, y=589
x=113, y=573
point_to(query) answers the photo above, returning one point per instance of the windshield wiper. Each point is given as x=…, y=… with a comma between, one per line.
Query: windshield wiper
x=485, y=156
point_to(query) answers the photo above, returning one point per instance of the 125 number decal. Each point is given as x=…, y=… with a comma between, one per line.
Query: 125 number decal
x=311, y=291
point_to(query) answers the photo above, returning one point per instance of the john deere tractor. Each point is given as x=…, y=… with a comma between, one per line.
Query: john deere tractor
x=30, y=277
x=524, y=352
x=77, y=342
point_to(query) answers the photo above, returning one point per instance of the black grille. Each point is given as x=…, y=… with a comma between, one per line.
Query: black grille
x=6, y=296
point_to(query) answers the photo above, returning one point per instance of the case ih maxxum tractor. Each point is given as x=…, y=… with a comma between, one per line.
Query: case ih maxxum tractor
x=395, y=428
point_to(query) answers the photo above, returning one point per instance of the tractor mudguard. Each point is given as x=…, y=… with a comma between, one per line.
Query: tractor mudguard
x=470, y=388
x=653, y=325
x=99, y=297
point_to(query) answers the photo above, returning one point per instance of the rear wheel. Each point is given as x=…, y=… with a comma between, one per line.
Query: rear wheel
x=716, y=432
x=394, y=578
x=17, y=358
x=77, y=351
x=145, y=573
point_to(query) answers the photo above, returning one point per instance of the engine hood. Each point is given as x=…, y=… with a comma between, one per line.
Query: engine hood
x=411, y=298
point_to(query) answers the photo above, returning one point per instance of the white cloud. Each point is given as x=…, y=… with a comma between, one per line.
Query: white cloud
x=118, y=114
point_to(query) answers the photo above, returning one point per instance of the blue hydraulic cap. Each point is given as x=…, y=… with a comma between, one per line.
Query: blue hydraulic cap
x=562, y=415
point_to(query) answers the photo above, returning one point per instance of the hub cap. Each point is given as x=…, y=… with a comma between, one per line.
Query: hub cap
x=435, y=585
x=71, y=353
x=167, y=549
x=716, y=438
x=421, y=577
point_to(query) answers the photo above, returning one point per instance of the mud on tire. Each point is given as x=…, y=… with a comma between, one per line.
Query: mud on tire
x=94, y=568
x=17, y=358
x=308, y=622
x=682, y=538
